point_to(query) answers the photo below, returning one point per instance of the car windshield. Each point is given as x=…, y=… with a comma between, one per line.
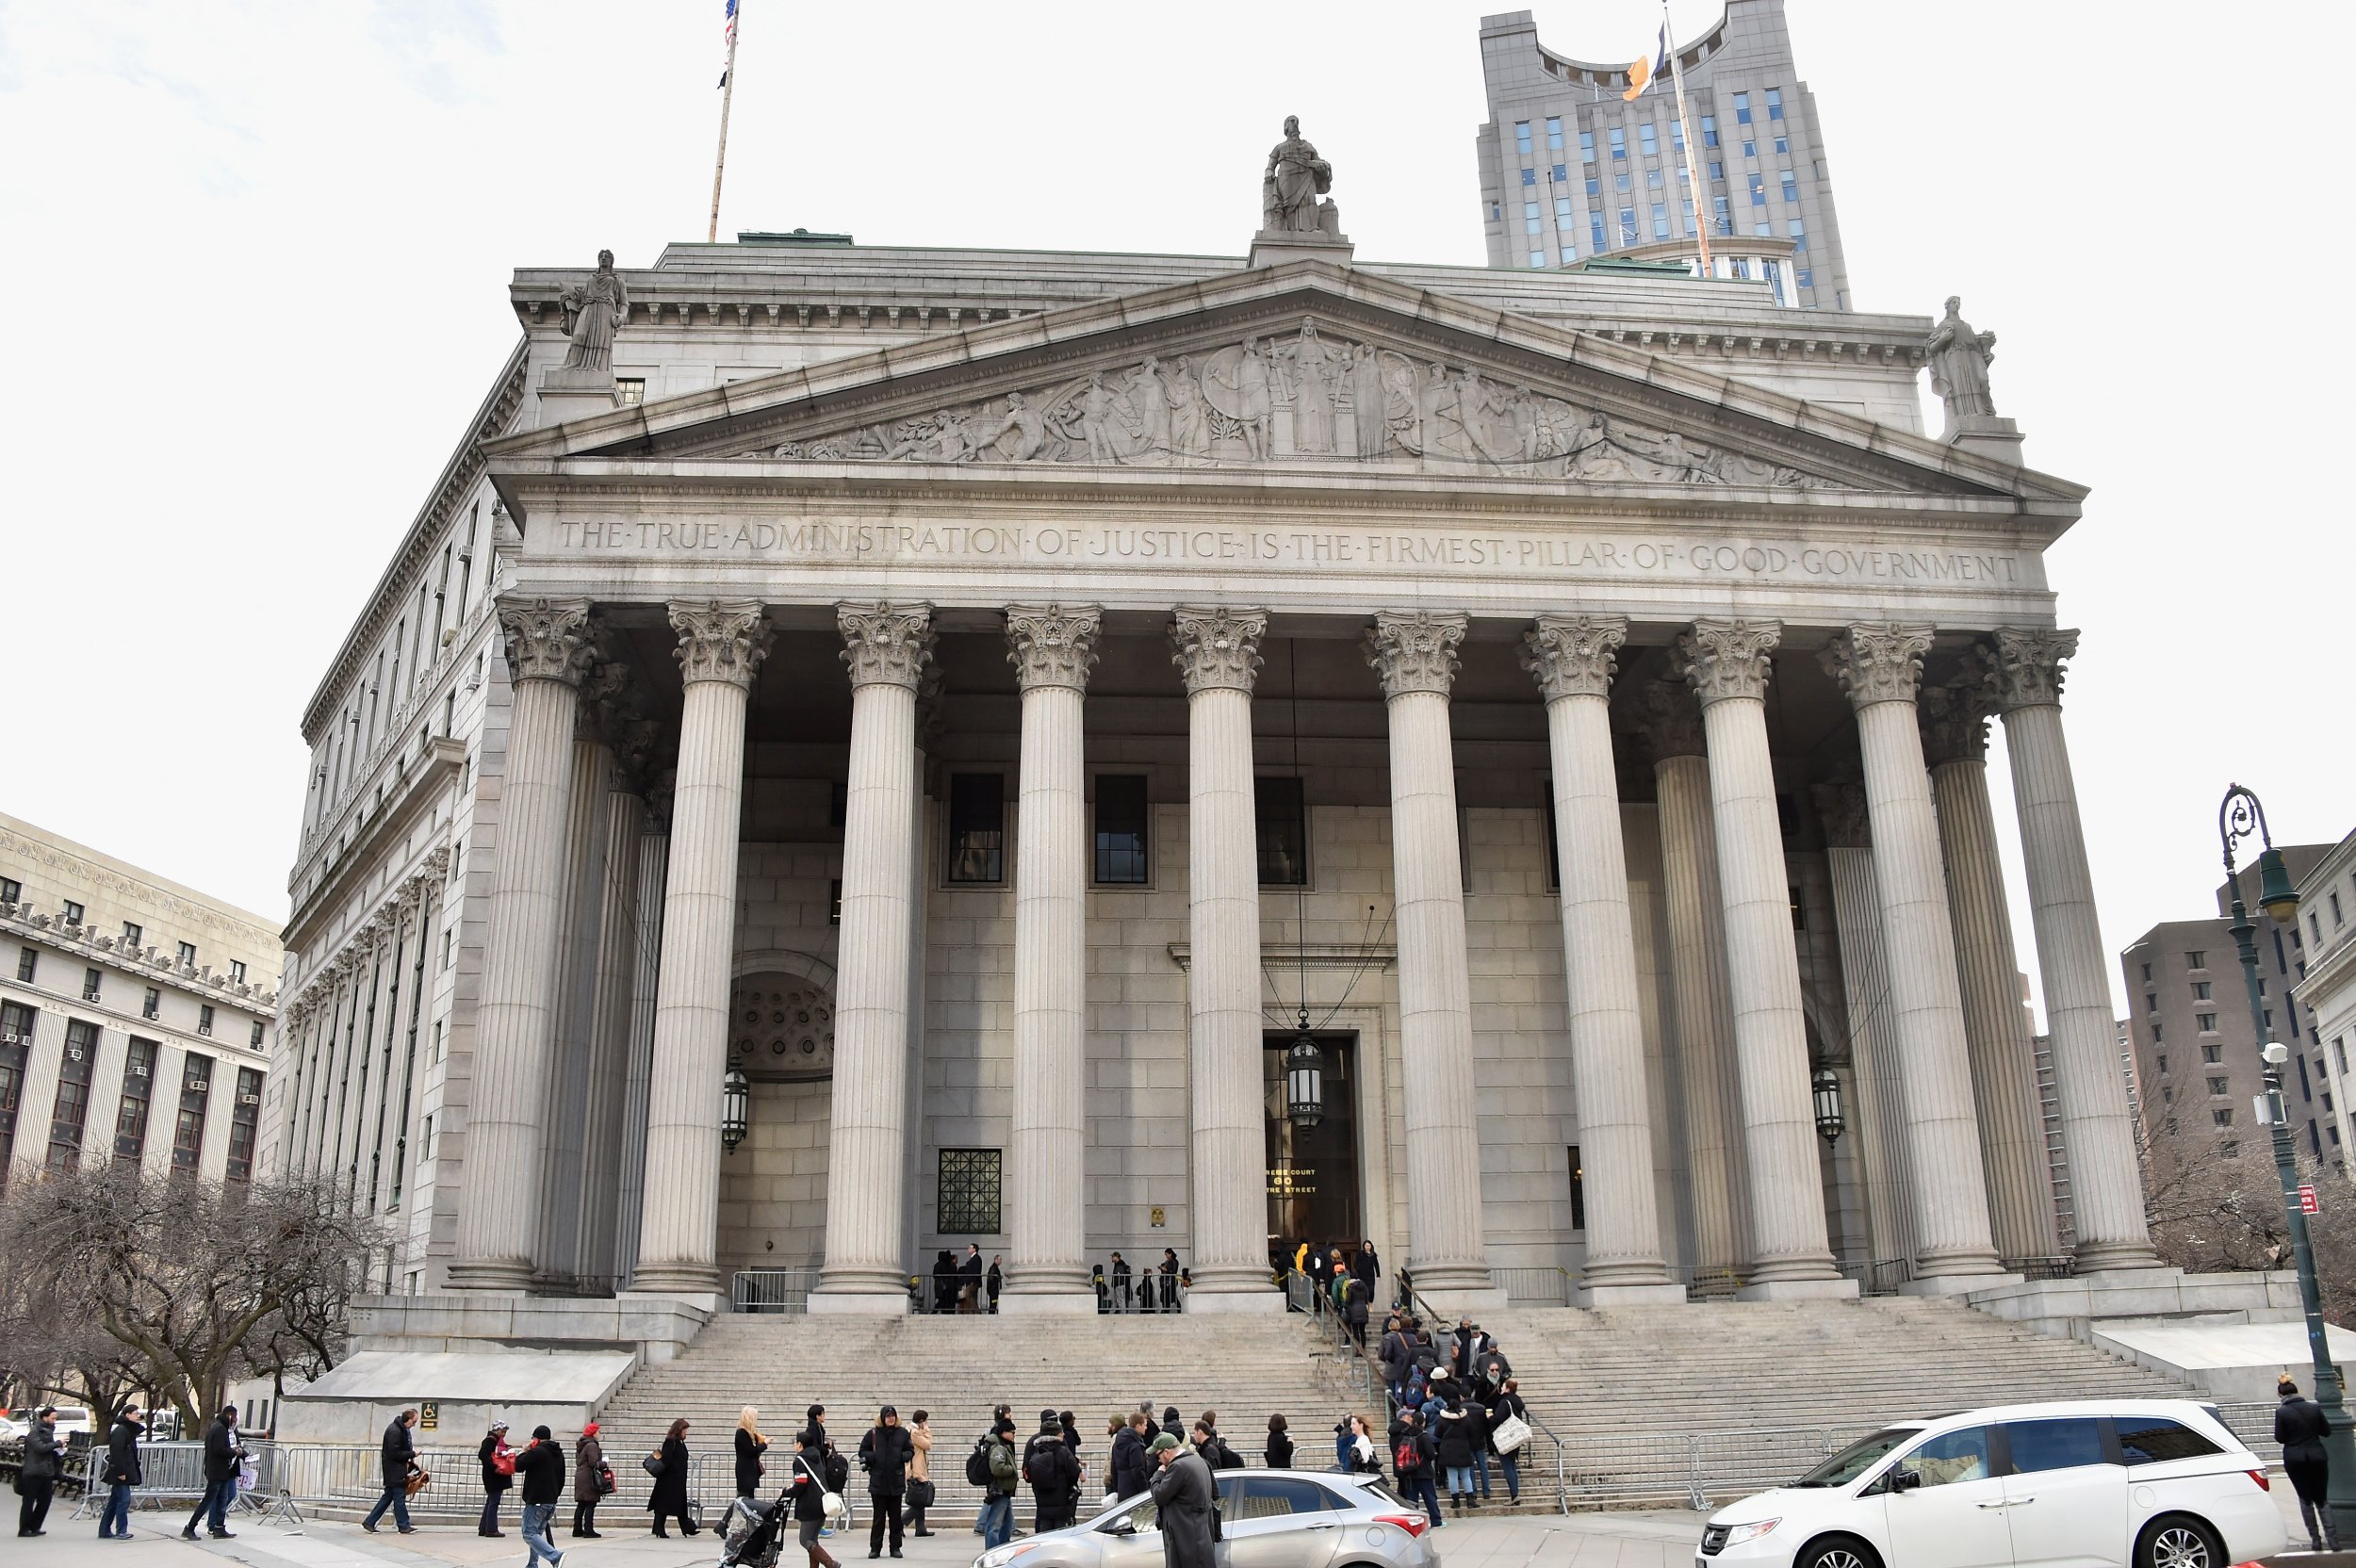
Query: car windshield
x=1857, y=1457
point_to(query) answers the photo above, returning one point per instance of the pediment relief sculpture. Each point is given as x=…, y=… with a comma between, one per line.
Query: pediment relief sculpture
x=1301, y=399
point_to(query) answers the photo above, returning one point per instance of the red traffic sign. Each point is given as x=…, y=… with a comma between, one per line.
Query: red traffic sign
x=2307, y=1203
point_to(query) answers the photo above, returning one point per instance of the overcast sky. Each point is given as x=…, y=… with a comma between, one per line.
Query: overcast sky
x=256, y=258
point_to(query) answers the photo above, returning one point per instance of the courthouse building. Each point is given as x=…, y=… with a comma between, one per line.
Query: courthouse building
x=996, y=703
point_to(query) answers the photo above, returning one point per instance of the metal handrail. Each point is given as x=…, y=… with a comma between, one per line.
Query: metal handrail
x=1330, y=1325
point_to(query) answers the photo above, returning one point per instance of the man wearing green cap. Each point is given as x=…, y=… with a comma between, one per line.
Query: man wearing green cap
x=1186, y=1503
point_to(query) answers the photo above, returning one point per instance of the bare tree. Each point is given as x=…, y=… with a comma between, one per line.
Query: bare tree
x=2222, y=1209
x=191, y=1283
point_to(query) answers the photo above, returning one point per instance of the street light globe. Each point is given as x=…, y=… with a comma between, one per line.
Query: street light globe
x=2275, y=893
x=2275, y=1053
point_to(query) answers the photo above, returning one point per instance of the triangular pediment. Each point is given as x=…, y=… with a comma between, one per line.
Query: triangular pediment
x=1310, y=367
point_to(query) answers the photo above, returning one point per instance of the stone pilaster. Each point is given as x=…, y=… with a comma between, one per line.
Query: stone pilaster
x=1700, y=997
x=1729, y=664
x=721, y=645
x=1880, y=665
x=547, y=645
x=1052, y=649
x=1995, y=1024
x=1416, y=654
x=886, y=648
x=2105, y=1188
x=1572, y=658
x=1218, y=652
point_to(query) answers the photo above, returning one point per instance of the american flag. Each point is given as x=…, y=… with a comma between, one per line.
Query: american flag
x=727, y=35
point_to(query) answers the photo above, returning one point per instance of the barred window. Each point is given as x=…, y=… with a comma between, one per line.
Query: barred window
x=966, y=1199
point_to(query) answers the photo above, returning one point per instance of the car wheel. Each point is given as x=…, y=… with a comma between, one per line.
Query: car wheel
x=1838, y=1551
x=2179, y=1541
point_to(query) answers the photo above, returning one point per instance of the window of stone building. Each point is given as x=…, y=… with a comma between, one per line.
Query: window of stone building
x=204, y=1019
x=1649, y=139
x=2339, y=1052
x=1709, y=130
x=132, y=935
x=2155, y=1033
x=27, y=962
x=2167, y=1095
x=1562, y=173
x=1628, y=226
x=1537, y=260
x=1652, y=179
x=91, y=981
x=2337, y=920
x=2315, y=925
x=1586, y=146
x=1579, y=1191
x=72, y=1110
x=2200, y=990
x=2162, y=1062
x=834, y=901
x=1741, y=108
x=2221, y=1084
x=11, y=891
x=1529, y=176
x=2211, y=1053
x=187, y=953
x=977, y=827
x=965, y=1198
x=1554, y=133
x=2171, y=1126
x=237, y=972
x=244, y=1124
x=138, y=1094
x=254, y=1037
x=1521, y=136
x=2207, y=1023
x=2261, y=987
x=1123, y=847
x=2229, y=1149
x=2333, y=1133
x=1619, y=144
x=2197, y=958
x=73, y=912
x=1759, y=190
x=426, y=1146
x=1282, y=820
x=2222, y=1115
x=1775, y=103
x=630, y=391
x=188, y=1136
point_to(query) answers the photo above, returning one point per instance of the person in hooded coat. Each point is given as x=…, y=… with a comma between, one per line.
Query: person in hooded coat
x=588, y=1481
x=885, y=1453
x=122, y=1473
x=1186, y=1503
x=37, y=1477
x=1132, y=1464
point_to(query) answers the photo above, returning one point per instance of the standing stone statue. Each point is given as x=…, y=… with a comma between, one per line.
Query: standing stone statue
x=594, y=312
x=1959, y=360
x=1296, y=178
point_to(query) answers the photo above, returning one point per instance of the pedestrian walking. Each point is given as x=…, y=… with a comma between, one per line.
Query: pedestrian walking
x=1453, y=1443
x=920, y=1472
x=1477, y=1424
x=1131, y=1464
x=1186, y=1506
x=750, y=1445
x=540, y=1468
x=37, y=1477
x=996, y=1280
x=1280, y=1445
x=668, y=1500
x=2299, y=1427
x=1120, y=1283
x=1509, y=1407
x=122, y=1473
x=885, y=1453
x=995, y=1470
x=497, y=1463
x=1368, y=1268
x=810, y=1497
x=1398, y=1355
x=1052, y=1470
x=223, y=1454
x=591, y=1479
x=397, y=1456
x=1412, y=1459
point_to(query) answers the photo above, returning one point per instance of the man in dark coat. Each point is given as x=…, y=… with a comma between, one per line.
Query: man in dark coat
x=541, y=1469
x=970, y=1278
x=1132, y=1466
x=1120, y=1282
x=38, y=1475
x=398, y=1456
x=1051, y=1470
x=1398, y=1361
x=885, y=1453
x=1186, y=1503
x=122, y=1473
x=223, y=1456
x=2299, y=1427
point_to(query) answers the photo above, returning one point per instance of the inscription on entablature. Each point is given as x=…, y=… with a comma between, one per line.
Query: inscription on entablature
x=1282, y=549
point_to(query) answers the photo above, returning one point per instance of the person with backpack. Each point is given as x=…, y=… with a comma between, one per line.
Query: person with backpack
x=541, y=1469
x=992, y=1467
x=885, y=1453
x=1051, y=1470
x=1398, y=1361
x=1411, y=1464
x=1221, y=1454
x=810, y=1489
x=499, y=1473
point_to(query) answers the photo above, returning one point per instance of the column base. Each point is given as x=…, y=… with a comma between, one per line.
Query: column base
x=676, y=1278
x=1047, y=1303
x=1834, y=1289
x=859, y=1304
x=1631, y=1295
x=2105, y=1259
x=512, y=1276
x=1956, y=1284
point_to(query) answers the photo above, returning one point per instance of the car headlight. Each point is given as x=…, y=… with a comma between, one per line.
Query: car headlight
x=1737, y=1534
x=998, y=1557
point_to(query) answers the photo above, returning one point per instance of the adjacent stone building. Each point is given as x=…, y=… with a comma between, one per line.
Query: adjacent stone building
x=2325, y=990
x=137, y=1016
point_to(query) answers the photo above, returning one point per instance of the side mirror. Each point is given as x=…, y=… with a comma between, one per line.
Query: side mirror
x=1903, y=1480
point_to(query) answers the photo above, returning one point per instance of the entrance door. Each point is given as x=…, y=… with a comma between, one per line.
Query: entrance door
x=1313, y=1171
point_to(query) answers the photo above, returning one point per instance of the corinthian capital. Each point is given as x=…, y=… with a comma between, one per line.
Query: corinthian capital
x=1415, y=652
x=1049, y=646
x=547, y=639
x=1574, y=656
x=723, y=639
x=604, y=693
x=886, y=647
x=1842, y=807
x=1878, y=662
x=1954, y=717
x=1728, y=658
x=1216, y=649
x=2029, y=666
x=1669, y=720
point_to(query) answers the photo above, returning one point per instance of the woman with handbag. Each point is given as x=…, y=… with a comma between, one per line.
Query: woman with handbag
x=499, y=1473
x=592, y=1481
x=920, y=1472
x=811, y=1498
x=750, y=1445
x=1509, y=1429
x=669, y=1465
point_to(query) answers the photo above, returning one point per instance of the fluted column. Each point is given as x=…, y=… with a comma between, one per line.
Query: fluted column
x=1729, y=664
x=1879, y=1120
x=2106, y=1191
x=1699, y=994
x=1572, y=658
x=886, y=648
x=1052, y=649
x=1881, y=665
x=654, y=860
x=1995, y=1024
x=721, y=645
x=616, y=964
x=556, y=1251
x=1218, y=652
x=1449, y=1254
x=548, y=647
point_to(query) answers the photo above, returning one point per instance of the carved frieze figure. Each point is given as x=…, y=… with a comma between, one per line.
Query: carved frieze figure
x=1370, y=400
x=1312, y=388
x=1241, y=391
x=1959, y=360
x=594, y=312
x=1149, y=408
x=1019, y=432
x=1189, y=426
x=1296, y=178
x=1097, y=415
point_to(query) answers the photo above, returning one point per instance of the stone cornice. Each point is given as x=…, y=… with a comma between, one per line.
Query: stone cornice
x=1574, y=655
x=421, y=790
x=26, y=922
x=394, y=910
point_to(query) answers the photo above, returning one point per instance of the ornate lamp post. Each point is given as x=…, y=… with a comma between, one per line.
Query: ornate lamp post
x=2240, y=817
x=1825, y=1088
x=736, y=1096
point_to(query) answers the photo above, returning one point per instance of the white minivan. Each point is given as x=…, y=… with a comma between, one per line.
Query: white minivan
x=2098, y=1483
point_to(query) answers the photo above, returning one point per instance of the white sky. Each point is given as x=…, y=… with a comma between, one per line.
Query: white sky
x=256, y=257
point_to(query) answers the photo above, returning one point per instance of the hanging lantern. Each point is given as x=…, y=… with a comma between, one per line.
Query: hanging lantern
x=736, y=1095
x=1304, y=1083
x=1826, y=1088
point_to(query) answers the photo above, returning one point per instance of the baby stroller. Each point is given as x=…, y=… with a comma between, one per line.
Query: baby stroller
x=755, y=1534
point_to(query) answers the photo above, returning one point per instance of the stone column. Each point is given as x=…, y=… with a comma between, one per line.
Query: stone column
x=1052, y=650
x=654, y=858
x=721, y=645
x=1218, y=651
x=1700, y=997
x=1995, y=1024
x=1877, y=1121
x=1729, y=664
x=2105, y=1188
x=1881, y=665
x=547, y=647
x=1573, y=657
x=1448, y=1247
x=887, y=649
x=616, y=962
x=563, y=1145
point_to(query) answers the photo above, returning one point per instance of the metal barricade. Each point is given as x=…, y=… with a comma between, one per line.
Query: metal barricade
x=1533, y=1287
x=770, y=1290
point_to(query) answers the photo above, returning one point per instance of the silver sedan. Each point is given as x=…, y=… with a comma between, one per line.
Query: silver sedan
x=1267, y=1519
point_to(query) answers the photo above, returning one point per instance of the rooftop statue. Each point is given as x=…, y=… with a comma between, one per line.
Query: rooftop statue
x=1296, y=178
x=1959, y=360
x=594, y=312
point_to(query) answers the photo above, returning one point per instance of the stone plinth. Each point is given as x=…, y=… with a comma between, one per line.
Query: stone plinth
x=1988, y=435
x=1274, y=249
x=576, y=395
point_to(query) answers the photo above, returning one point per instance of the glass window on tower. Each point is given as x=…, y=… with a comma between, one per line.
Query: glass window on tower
x=1652, y=177
x=1719, y=219
x=1529, y=176
x=1676, y=134
x=1586, y=146
x=1648, y=139
x=1564, y=219
x=1562, y=173
x=1530, y=218
x=1798, y=231
x=1620, y=180
x=1775, y=103
x=1628, y=226
x=1659, y=220
x=1759, y=190
x=1741, y=108
x=1709, y=130
x=1790, y=186
x=1783, y=146
x=1537, y=258
x=1595, y=185
x=1750, y=148
x=1521, y=136
x=1595, y=240
x=1619, y=144
x=1554, y=133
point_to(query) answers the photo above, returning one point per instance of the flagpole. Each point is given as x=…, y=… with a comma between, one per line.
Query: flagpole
x=728, y=93
x=1685, y=121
